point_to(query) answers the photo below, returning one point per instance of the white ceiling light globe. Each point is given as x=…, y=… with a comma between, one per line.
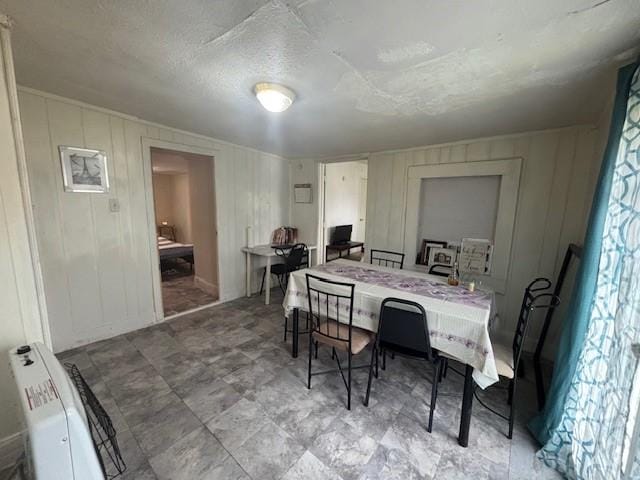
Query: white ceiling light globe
x=273, y=97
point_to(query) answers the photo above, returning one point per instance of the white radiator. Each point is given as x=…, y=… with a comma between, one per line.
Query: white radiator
x=58, y=441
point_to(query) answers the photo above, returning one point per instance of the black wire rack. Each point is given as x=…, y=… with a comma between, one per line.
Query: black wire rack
x=100, y=426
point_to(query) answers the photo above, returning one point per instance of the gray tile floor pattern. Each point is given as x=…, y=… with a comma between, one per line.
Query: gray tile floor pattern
x=217, y=395
x=180, y=294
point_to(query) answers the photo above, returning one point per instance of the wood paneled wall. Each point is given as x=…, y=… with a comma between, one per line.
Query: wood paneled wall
x=558, y=176
x=20, y=314
x=97, y=264
x=556, y=186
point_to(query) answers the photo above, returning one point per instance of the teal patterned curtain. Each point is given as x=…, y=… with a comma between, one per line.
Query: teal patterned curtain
x=588, y=422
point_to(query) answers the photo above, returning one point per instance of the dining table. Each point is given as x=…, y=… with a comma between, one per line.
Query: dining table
x=459, y=319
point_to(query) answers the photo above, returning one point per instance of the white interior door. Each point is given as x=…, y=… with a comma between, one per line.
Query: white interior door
x=362, y=209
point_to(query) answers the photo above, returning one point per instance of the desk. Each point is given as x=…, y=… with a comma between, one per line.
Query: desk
x=268, y=252
x=458, y=319
x=342, y=247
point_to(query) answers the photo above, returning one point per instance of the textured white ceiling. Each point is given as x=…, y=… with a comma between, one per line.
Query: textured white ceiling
x=369, y=75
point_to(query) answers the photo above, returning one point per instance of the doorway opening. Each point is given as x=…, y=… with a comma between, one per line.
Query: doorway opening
x=185, y=218
x=343, y=210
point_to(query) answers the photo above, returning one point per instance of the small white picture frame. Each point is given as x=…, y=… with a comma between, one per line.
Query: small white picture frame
x=442, y=256
x=84, y=170
x=476, y=255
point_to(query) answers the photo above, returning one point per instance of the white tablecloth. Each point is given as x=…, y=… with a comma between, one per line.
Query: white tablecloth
x=458, y=319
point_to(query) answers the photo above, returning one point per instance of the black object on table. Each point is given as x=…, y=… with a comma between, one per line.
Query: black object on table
x=467, y=397
x=342, y=247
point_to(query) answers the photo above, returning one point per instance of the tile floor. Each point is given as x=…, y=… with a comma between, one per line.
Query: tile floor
x=180, y=294
x=216, y=395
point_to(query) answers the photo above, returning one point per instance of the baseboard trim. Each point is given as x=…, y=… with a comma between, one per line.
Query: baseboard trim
x=11, y=448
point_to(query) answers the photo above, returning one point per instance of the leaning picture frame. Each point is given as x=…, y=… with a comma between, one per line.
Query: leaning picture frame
x=425, y=250
x=84, y=170
x=442, y=256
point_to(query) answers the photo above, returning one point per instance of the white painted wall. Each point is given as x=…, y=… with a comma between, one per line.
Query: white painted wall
x=202, y=199
x=182, y=208
x=342, y=195
x=171, y=199
x=20, y=312
x=97, y=264
x=304, y=216
x=556, y=186
x=453, y=208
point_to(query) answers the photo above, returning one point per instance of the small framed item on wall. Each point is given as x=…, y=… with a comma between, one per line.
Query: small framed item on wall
x=84, y=170
x=302, y=193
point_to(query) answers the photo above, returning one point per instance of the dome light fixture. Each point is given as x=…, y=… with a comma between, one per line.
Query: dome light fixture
x=273, y=97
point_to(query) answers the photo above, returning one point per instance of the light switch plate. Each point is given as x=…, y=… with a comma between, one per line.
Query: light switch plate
x=114, y=205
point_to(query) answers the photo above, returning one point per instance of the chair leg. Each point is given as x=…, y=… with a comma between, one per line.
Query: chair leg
x=333, y=353
x=512, y=411
x=384, y=359
x=349, y=382
x=284, y=291
x=377, y=357
x=374, y=353
x=286, y=321
x=510, y=393
x=316, y=350
x=437, y=368
x=264, y=274
x=309, y=372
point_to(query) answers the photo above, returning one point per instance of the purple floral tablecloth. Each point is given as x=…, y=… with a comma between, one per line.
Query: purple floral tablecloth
x=458, y=319
x=419, y=285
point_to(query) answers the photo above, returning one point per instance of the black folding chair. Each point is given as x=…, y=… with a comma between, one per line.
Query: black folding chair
x=293, y=260
x=403, y=329
x=387, y=258
x=508, y=357
x=331, y=309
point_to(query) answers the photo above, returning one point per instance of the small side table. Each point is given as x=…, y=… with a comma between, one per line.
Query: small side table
x=342, y=247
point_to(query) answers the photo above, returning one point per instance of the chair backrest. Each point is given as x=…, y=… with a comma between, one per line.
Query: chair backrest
x=535, y=297
x=330, y=302
x=387, y=258
x=440, y=270
x=403, y=328
x=294, y=258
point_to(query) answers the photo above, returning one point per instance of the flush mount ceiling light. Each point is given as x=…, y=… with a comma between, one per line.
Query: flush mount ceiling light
x=273, y=97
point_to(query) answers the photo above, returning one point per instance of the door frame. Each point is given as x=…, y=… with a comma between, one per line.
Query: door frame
x=322, y=239
x=321, y=242
x=156, y=282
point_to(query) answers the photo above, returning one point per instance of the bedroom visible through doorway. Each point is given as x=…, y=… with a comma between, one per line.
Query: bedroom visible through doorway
x=185, y=218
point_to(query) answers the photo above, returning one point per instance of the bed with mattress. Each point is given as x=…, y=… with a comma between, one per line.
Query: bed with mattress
x=171, y=251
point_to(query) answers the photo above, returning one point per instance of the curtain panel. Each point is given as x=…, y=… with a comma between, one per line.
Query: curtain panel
x=589, y=419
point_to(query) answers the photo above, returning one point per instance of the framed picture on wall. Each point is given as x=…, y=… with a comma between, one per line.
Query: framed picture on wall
x=84, y=170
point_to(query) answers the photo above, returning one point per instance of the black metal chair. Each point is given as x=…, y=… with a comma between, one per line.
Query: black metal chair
x=403, y=329
x=331, y=311
x=387, y=258
x=294, y=258
x=508, y=358
x=440, y=270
